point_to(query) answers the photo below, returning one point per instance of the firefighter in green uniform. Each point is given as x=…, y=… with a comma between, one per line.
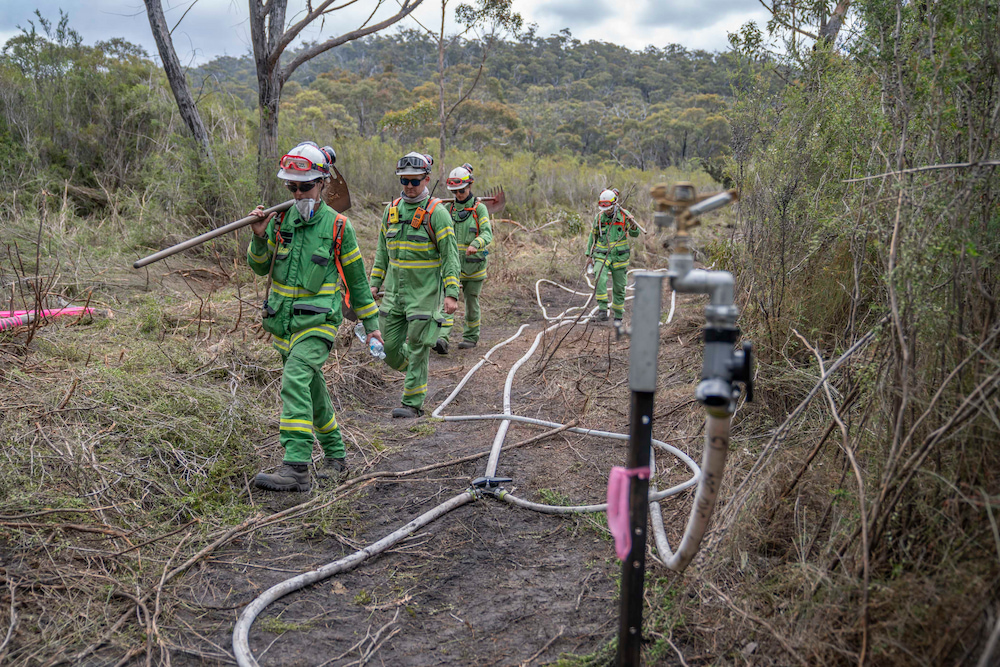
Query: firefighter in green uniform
x=471, y=221
x=312, y=256
x=608, y=247
x=416, y=263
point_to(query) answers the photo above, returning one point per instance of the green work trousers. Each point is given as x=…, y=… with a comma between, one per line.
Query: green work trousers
x=471, y=290
x=305, y=403
x=407, y=346
x=619, y=274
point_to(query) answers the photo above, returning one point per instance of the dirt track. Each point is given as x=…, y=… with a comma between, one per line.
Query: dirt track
x=487, y=584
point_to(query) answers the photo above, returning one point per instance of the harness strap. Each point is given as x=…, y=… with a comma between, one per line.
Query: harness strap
x=420, y=217
x=339, y=223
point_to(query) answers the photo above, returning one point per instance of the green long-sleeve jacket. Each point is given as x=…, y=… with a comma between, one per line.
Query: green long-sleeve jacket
x=472, y=226
x=305, y=293
x=416, y=267
x=609, y=237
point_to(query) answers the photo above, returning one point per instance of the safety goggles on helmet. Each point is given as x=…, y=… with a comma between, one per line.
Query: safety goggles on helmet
x=305, y=186
x=299, y=163
x=413, y=162
x=403, y=180
x=458, y=183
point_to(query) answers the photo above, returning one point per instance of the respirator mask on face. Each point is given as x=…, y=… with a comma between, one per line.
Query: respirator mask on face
x=305, y=207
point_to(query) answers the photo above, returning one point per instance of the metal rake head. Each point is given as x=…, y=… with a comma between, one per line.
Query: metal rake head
x=495, y=198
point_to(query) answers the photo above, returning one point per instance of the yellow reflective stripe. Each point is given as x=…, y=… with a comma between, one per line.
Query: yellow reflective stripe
x=422, y=389
x=474, y=276
x=282, y=344
x=352, y=256
x=451, y=282
x=323, y=328
x=446, y=233
x=619, y=265
x=415, y=263
x=410, y=245
x=257, y=258
x=377, y=272
x=330, y=425
x=474, y=323
x=367, y=311
x=295, y=425
x=295, y=292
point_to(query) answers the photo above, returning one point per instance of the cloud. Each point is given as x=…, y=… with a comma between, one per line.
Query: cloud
x=686, y=14
x=577, y=12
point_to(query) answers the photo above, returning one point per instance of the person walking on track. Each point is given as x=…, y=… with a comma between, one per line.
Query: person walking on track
x=313, y=262
x=608, y=250
x=416, y=263
x=474, y=234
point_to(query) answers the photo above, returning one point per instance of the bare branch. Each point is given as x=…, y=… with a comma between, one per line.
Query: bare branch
x=313, y=51
x=932, y=167
x=786, y=25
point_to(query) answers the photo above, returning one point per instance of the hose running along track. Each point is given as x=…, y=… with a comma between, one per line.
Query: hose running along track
x=716, y=446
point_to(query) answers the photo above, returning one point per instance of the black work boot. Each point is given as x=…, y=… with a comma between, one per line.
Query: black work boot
x=441, y=346
x=602, y=316
x=466, y=344
x=289, y=477
x=406, y=411
x=332, y=468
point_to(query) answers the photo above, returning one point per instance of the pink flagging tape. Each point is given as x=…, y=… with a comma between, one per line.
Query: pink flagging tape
x=618, y=509
x=19, y=318
x=69, y=310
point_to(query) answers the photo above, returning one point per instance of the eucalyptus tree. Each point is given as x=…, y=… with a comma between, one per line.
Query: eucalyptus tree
x=271, y=33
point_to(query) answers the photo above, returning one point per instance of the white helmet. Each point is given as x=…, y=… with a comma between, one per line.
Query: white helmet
x=460, y=177
x=607, y=200
x=414, y=164
x=306, y=162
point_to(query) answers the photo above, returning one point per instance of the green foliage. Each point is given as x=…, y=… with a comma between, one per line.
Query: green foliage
x=907, y=255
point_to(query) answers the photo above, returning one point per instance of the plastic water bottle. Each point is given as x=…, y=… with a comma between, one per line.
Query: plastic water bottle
x=590, y=269
x=376, y=347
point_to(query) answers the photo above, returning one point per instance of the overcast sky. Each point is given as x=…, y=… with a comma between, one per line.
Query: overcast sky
x=219, y=27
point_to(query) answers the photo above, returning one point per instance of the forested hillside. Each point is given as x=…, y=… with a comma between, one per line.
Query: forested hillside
x=649, y=109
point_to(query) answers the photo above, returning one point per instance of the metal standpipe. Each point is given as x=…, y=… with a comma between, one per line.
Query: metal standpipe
x=642, y=376
x=722, y=368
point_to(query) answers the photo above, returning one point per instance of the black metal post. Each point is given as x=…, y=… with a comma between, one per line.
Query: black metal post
x=645, y=344
x=634, y=567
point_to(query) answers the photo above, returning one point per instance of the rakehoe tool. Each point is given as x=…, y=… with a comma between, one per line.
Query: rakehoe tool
x=337, y=197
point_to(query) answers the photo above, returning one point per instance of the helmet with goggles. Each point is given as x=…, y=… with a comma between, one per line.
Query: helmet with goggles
x=607, y=200
x=414, y=164
x=306, y=162
x=460, y=177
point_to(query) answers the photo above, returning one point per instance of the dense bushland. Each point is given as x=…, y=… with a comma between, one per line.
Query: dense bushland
x=865, y=529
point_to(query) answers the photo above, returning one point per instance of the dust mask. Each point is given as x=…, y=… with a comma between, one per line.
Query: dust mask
x=305, y=207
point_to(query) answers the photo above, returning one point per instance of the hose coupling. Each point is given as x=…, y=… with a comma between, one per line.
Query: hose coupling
x=490, y=485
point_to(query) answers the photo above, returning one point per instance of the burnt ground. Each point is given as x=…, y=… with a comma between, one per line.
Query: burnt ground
x=487, y=584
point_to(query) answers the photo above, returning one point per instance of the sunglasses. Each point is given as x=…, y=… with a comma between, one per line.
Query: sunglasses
x=411, y=181
x=301, y=187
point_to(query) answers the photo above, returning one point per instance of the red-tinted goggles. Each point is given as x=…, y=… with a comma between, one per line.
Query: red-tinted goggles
x=299, y=163
x=459, y=182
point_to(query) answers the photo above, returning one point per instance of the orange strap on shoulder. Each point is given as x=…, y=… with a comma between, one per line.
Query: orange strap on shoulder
x=338, y=239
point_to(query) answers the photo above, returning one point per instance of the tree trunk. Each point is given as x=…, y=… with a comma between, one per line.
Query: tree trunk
x=828, y=33
x=175, y=75
x=268, y=150
x=441, y=116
